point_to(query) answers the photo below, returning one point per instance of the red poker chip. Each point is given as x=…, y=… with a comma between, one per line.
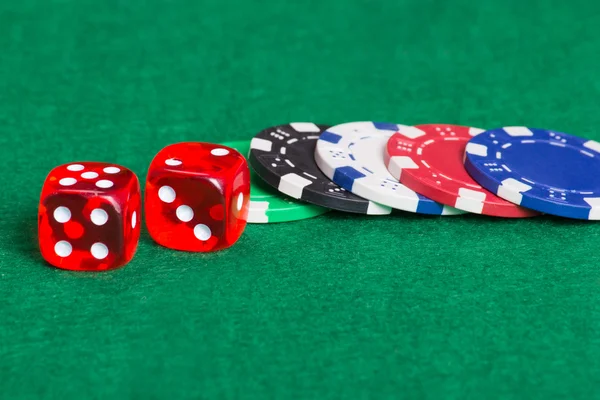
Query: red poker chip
x=429, y=160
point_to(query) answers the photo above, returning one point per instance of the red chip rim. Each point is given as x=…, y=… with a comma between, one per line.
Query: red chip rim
x=429, y=160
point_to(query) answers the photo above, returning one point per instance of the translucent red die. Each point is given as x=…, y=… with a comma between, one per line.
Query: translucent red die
x=89, y=216
x=197, y=197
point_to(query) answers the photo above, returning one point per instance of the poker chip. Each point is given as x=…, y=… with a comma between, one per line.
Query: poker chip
x=429, y=160
x=269, y=206
x=547, y=171
x=283, y=156
x=352, y=155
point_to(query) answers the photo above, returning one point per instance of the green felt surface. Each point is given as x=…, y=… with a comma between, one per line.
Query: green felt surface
x=339, y=306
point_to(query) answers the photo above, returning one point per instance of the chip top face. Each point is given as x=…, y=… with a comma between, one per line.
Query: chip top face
x=544, y=170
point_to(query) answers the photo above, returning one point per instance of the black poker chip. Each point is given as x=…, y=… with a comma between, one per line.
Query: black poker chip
x=283, y=156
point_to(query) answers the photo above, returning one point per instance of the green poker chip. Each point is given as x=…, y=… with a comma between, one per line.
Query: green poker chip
x=267, y=205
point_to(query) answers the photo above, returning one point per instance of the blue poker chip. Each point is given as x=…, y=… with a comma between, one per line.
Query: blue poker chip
x=546, y=171
x=351, y=155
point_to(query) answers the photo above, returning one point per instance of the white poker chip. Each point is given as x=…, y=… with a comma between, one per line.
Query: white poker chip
x=352, y=156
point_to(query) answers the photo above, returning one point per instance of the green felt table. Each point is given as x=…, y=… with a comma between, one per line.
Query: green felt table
x=339, y=306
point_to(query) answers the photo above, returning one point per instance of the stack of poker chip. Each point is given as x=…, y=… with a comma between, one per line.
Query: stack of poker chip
x=302, y=170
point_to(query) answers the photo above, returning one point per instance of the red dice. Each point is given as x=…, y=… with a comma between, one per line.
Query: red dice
x=89, y=216
x=197, y=197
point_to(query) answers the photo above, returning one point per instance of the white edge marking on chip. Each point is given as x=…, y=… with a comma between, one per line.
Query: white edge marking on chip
x=398, y=163
x=261, y=144
x=475, y=131
x=592, y=145
x=470, y=200
x=304, y=127
x=257, y=213
x=477, y=149
x=410, y=132
x=293, y=185
x=378, y=209
x=388, y=192
x=517, y=131
x=511, y=190
x=594, y=203
x=447, y=210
